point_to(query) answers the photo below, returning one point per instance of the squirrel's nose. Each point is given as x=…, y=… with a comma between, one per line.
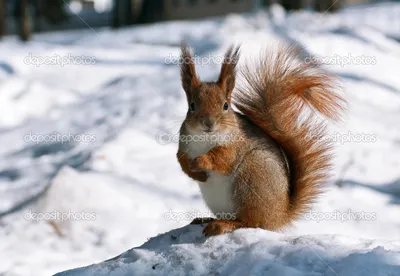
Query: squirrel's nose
x=209, y=123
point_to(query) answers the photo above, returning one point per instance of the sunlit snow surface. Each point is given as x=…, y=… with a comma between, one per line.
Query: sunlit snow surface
x=122, y=184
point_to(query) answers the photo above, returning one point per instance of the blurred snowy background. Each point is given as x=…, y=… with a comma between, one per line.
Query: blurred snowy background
x=88, y=118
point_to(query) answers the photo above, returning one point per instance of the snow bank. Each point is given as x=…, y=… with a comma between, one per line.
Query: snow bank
x=185, y=251
x=129, y=177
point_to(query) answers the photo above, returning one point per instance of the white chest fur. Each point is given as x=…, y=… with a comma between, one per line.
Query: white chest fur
x=218, y=190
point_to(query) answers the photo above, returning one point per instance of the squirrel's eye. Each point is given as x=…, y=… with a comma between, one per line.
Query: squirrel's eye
x=226, y=106
x=192, y=107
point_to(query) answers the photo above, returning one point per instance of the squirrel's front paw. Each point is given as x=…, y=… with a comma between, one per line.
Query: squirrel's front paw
x=201, y=163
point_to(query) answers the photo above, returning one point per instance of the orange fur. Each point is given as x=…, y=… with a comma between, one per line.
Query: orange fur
x=185, y=161
x=273, y=98
x=188, y=71
x=278, y=163
x=218, y=227
x=221, y=159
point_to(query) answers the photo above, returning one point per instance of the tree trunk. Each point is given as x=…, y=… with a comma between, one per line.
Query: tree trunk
x=53, y=10
x=292, y=4
x=116, y=14
x=151, y=11
x=136, y=8
x=3, y=18
x=38, y=15
x=23, y=19
x=327, y=5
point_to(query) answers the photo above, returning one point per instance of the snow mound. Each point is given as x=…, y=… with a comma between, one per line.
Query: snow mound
x=185, y=251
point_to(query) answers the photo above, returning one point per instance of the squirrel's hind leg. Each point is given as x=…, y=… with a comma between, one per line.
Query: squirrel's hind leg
x=261, y=191
x=221, y=226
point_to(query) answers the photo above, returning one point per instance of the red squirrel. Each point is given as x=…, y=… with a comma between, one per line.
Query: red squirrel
x=267, y=164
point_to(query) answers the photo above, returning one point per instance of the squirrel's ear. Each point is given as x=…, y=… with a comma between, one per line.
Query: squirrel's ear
x=227, y=76
x=188, y=71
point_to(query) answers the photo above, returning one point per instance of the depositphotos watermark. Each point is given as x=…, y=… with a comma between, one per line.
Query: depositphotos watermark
x=59, y=60
x=198, y=60
x=341, y=60
x=38, y=138
x=189, y=216
x=59, y=216
x=164, y=138
x=340, y=216
x=348, y=137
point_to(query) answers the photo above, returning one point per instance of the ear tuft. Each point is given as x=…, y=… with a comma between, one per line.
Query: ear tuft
x=188, y=71
x=227, y=76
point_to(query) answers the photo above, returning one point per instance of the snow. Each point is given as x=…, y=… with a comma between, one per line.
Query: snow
x=114, y=182
x=185, y=251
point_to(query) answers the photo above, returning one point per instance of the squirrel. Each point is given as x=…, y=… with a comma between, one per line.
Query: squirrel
x=264, y=166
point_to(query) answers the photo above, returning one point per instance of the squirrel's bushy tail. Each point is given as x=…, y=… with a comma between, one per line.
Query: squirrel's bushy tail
x=283, y=96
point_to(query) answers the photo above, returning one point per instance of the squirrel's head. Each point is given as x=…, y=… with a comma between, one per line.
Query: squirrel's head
x=209, y=103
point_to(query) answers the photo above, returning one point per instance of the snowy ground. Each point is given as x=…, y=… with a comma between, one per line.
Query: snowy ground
x=119, y=182
x=185, y=251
